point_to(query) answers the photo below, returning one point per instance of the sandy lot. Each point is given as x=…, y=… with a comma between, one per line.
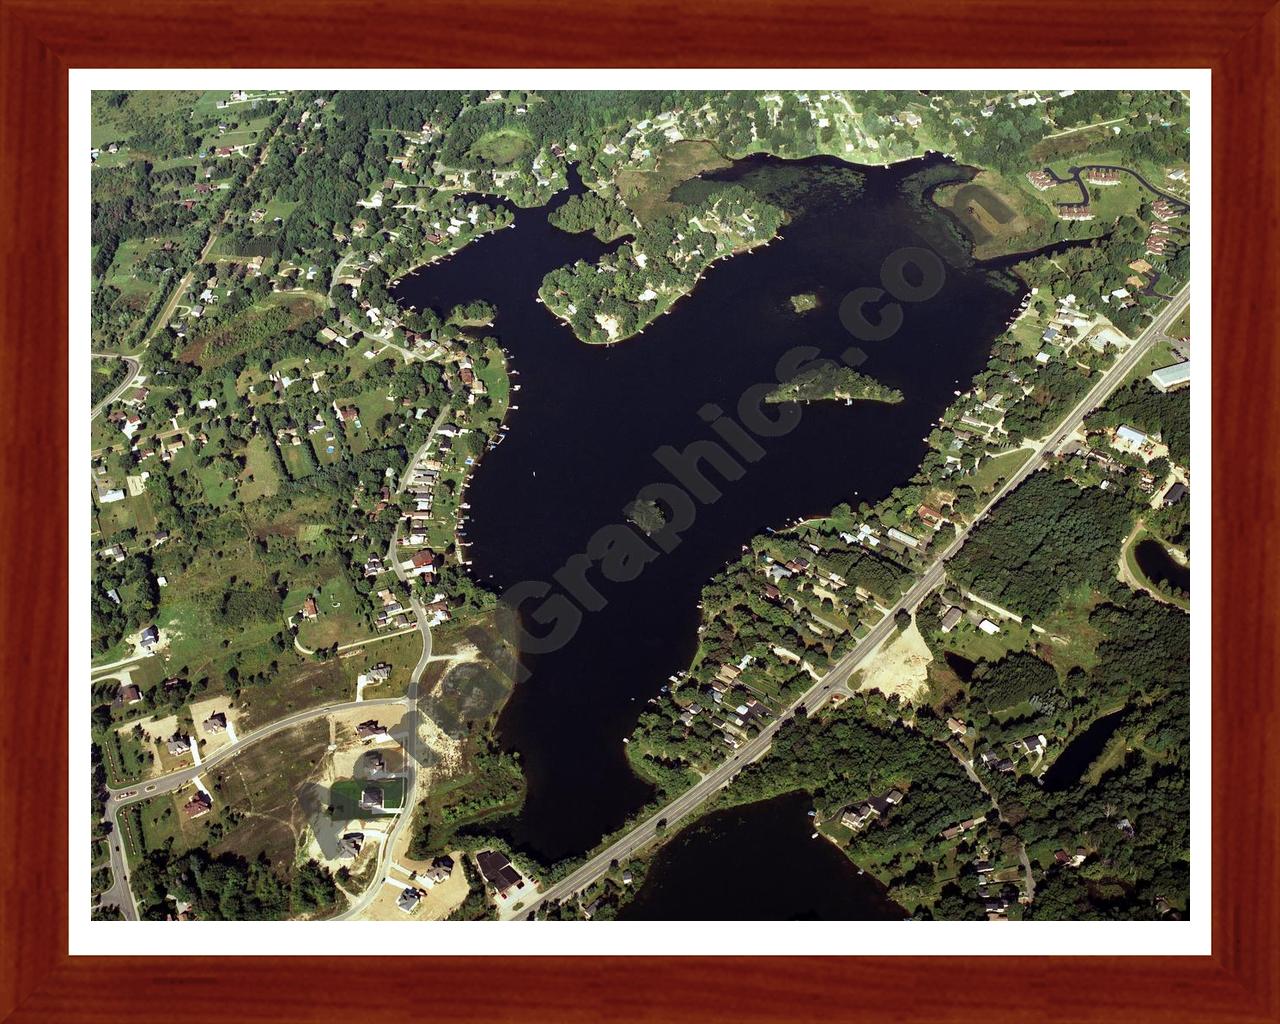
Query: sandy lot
x=345, y=722
x=438, y=903
x=201, y=710
x=900, y=666
x=157, y=729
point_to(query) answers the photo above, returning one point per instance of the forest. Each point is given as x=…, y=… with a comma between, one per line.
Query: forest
x=1046, y=538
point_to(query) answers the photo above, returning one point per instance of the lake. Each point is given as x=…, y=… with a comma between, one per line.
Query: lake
x=590, y=419
x=1081, y=752
x=757, y=863
x=1159, y=566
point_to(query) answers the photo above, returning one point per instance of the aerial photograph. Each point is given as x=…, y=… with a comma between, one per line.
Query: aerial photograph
x=638, y=505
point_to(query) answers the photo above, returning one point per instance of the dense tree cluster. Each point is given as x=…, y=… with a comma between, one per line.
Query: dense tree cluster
x=1048, y=537
x=227, y=887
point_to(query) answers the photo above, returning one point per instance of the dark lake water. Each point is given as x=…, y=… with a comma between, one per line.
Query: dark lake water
x=960, y=665
x=1081, y=752
x=590, y=419
x=759, y=863
x=1159, y=567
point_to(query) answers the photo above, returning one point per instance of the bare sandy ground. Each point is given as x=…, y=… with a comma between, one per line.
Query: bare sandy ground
x=900, y=666
x=201, y=710
x=438, y=903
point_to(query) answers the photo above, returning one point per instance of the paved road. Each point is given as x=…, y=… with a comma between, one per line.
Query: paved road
x=838, y=676
x=413, y=739
x=135, y=367
x=1073, y=176
x=166, y=313
x=148, y=788
x=121, y=894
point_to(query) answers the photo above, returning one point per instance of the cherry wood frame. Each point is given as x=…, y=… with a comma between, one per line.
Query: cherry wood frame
x=41, y=39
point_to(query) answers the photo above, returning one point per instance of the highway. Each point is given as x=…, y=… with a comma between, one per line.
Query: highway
x=839, y=675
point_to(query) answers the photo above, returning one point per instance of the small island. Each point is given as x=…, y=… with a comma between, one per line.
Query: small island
x=804, y=302
x=833, y=381
x=647, y=516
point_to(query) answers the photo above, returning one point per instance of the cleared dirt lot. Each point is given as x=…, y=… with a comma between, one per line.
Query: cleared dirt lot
x=438, y=903
x=900, y=666
x=260, y=790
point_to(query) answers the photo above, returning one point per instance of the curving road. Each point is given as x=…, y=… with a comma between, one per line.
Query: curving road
x=135, y=367
x=838, y=676
x=413, y=739
x=121, y=894
x=1073, y=176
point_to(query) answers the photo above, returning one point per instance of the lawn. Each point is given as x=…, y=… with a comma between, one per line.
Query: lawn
x=347, y=793
x=295, y=461
x=163, y=820
x=1160, y=354
x=995, y=470
x=260, y=478
x=400, y=652
x=970, y=642
x=339, y=620
x=127, y=758
x=115, y=517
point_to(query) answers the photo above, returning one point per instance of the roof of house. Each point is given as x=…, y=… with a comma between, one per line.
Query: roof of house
x=497, y=869
x=199, y=804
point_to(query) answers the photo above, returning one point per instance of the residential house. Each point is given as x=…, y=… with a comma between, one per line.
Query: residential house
x=499, y=872
x=372, y=730
x=201, y=803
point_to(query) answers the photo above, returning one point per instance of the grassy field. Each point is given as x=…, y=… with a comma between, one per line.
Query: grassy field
x=338, y=621
x=646, y=192
x=260, y=478
x=502, y=147
x=115, y=123
x=304, y=685
x=998, y=213
x=260, y=791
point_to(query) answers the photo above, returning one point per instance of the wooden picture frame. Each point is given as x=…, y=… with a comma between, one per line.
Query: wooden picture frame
x=41, y=39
